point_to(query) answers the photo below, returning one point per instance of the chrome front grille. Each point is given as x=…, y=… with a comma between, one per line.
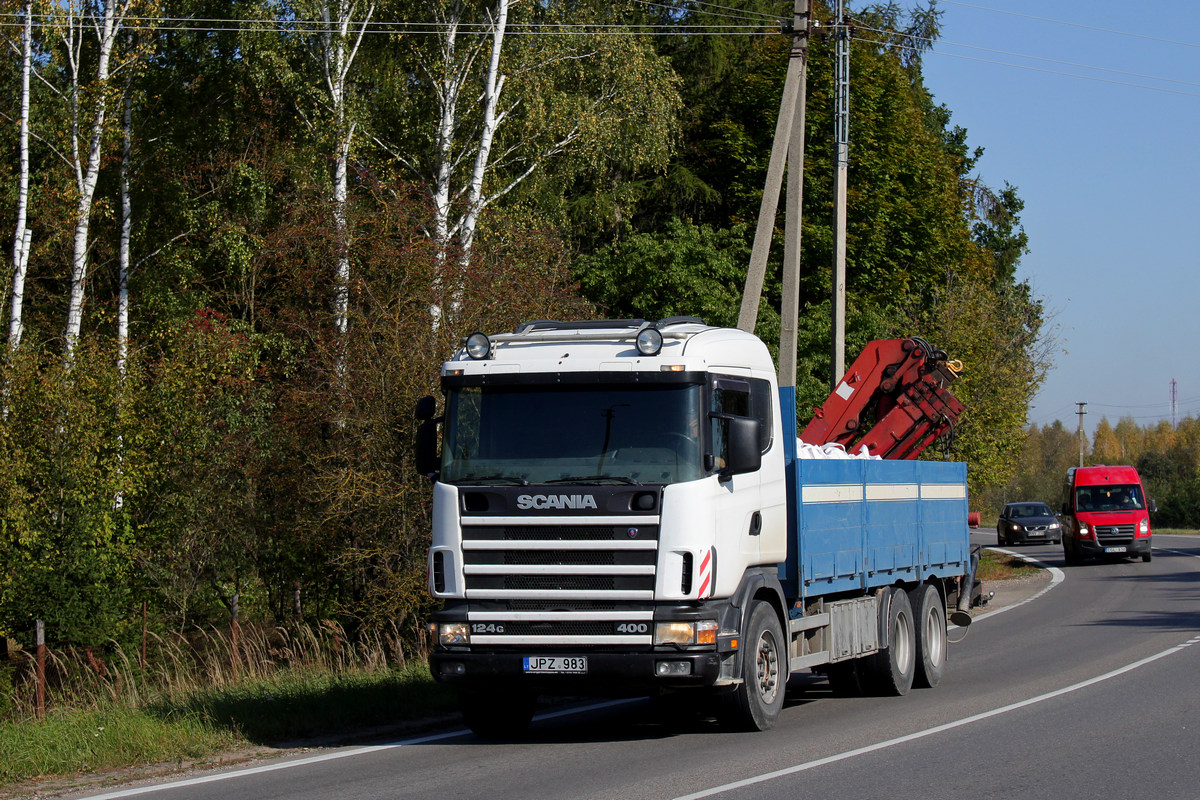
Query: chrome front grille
x=560, y=585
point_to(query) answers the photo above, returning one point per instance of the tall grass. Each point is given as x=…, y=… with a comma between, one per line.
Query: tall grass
x=197, y=694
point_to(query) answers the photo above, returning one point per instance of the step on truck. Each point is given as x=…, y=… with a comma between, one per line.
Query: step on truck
x=619, y=510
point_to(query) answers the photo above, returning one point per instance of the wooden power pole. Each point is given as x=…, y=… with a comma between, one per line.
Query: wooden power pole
x=787, y=149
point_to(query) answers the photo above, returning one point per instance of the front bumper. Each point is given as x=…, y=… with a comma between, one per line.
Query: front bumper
x=628, y=674
x=1136, y=547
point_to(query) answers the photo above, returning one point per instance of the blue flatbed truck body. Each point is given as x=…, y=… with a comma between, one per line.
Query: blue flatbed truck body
x=858, y=524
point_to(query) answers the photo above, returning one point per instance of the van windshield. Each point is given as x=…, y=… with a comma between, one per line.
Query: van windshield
x=1122, y=497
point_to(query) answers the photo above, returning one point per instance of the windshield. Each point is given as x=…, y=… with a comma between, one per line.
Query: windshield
x=1030, y=510
x=1127, y=497
x=546, y=434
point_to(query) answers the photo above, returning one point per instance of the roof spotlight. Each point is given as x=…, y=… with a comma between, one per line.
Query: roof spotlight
x=649, y=341
x=478, y=346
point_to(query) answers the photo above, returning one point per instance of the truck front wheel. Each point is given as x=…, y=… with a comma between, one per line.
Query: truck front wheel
x=500, y=714
x=930, y=630
x=757, y=701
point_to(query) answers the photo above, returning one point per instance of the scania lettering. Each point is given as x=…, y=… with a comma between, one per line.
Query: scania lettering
x=657, y=533
x=556, y=501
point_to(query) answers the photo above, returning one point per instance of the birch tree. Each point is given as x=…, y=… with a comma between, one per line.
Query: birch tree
x=503, y=111
x=22, y=239
x=104, y=20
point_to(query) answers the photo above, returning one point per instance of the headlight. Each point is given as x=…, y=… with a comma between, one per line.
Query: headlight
x=1054, y=526
x=1016, y=527
x=453, y=633
x=1144, y=526
x=699, y=632
x=1083, y=530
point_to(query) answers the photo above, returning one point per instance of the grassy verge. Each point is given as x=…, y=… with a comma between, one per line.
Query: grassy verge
x=994, y=566
x=287, y=706
x=1178, y=531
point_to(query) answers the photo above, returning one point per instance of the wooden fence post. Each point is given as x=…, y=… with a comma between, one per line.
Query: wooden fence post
x=40, y=677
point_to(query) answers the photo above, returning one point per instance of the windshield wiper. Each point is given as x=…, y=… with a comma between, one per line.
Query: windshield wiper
x=594, y=479
x=508, y=480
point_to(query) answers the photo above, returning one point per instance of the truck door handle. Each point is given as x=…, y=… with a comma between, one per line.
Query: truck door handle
x=756, y=524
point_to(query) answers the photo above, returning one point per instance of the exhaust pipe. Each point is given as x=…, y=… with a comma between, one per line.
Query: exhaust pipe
x=962, y=615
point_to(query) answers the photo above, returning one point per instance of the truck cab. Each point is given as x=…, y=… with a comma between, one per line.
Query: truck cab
x=1105, y=513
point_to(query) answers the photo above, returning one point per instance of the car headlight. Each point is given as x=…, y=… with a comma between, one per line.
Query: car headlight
x=1016, y=527
x=1144, y=526
x=702, y=631
x=1055, y=526
x=454, y=633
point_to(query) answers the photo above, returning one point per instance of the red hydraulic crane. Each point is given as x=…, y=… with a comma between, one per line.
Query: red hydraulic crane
x=893, y=400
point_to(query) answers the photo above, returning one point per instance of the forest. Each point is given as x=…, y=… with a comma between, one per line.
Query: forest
x=245, y=233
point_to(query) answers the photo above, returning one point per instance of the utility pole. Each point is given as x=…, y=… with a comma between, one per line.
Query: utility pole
x=841, y=138
x=787, y=149
x=1174, y=403
x=1080, y=412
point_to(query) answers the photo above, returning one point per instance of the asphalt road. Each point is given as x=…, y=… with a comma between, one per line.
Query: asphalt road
x=1087, y=686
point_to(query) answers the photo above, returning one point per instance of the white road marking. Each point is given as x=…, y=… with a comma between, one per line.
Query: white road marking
x=808, y=765
x=300, y=762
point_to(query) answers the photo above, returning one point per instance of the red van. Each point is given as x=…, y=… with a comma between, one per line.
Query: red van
x=1105, y=512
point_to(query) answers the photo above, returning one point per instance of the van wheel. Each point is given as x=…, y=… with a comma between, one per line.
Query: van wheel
x=1146, y=557
x=1069, y=554
x=757, y=701
x=930, y=635
x=892, y=669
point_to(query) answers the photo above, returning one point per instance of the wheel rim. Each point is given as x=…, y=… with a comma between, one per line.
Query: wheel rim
x=934, y=637
x=767, y=667
x=902, y=644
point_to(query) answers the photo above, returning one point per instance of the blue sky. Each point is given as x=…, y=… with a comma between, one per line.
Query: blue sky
x=1108, y=167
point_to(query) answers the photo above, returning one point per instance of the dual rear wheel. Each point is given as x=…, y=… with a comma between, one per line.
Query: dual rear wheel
x=915, y=622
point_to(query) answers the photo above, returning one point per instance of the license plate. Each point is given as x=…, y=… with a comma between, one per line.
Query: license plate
x=576, y=665
x=1114, y=549
x=1036, y=533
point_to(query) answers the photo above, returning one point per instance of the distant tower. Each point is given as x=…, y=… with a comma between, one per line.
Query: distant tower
x=1174, y=402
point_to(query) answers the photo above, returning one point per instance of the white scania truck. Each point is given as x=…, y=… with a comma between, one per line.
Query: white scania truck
x=618, y=509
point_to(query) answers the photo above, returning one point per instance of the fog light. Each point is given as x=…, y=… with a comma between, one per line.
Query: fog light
x=454, y=668
x=478, y=346
x=673, y=668
x=649, y=341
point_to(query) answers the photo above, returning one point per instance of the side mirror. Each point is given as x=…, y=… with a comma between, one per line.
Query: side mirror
x=1153, y=506
x=744, y=453
x=426, y=445
x=426, y=408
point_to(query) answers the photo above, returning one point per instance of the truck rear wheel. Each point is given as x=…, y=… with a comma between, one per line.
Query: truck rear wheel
x=757, y=701
x=930, y=629
x=892, y=668
x=501, y=714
